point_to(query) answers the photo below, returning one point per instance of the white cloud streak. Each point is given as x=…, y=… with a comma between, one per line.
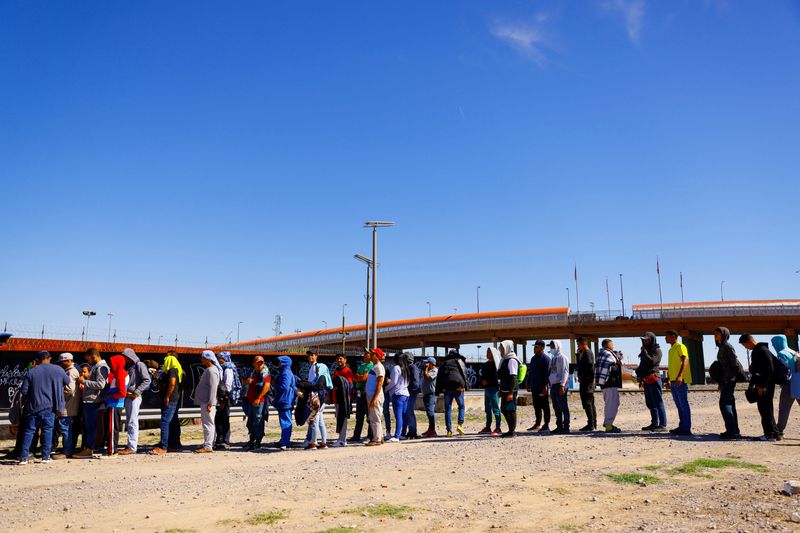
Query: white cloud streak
x=528, y=38
x=632, y=13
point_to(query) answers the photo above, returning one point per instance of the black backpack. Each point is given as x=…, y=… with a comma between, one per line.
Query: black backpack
x=781, y=374
x=413, y=379
x=715, y=372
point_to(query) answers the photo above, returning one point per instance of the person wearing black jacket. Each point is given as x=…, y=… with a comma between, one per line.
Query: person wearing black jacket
x=649, y=375
x=762, y=380
x=585, y=365
x=452, y=381
x=538, y=384
x=491, y=403
x=726, y=357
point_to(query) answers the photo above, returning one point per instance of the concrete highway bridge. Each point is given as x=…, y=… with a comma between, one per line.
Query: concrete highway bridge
x=692, y=320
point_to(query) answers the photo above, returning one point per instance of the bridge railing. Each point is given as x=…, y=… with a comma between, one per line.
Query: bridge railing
x=718, y=311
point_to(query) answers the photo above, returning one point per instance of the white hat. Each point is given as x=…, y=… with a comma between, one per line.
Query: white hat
x=66, y=356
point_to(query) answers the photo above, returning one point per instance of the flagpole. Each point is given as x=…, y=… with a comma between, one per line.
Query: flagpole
x=682, y=287
x=577, y=294
x=608, y=297
x=660, y=298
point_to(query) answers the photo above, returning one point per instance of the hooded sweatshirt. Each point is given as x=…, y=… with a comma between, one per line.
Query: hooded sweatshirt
x=452, y=375
x=509, y=368
x=539, y=371
x=284, y=386
x=649, y=357
x=72, y=396
x=726, y=355
x=43, y=389
x=489, y=368
x=98, y=378
x=559, y=366
x=761, y=367
x=138, y=374
x=785, y=354
x=117, y=382
x=206, y=390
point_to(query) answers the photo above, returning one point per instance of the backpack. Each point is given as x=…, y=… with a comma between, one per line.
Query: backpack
x=413, y=379
x=715, y=372
x=233, y=395
x=521, y=373
x=781, y=374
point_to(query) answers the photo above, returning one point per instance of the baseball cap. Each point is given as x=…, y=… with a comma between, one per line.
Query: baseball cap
x=430, y=360
x=539, y=343
x=310, y=352
x=379, y=353
x=66, y=356
x=43, y=354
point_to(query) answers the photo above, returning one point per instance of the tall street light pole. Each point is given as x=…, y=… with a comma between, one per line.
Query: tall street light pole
x=375, y=225
x=344, y=333
x=722, y=290
x=622, y=295
x=429, y=309
x=367, y=261
x=237, y=331
x=478, y=297
x=88, y=315
x=110, y=315
x=569, y=303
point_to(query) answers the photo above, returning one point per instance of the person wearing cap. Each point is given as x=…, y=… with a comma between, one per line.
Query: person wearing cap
x=762, y=380
x=359, y=381
x=730, y=369
x=452, y=381
x=649, y=375
x=225, y=399
x=608, y=376
x=559, y=377
x=320, y=378
x=205, y=396
x=92, y=387
x=374, y=391
x=138, y=382
x=538, y=384
x=72, y=402
x=258, y=385
x=585, y=366
x=429, y=373
x=43, y=394
x=680, y=377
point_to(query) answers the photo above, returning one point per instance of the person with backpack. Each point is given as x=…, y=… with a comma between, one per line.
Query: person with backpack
x=507, y=376
x=649, y=375
x=320, y=379
x=452, y=381
x=584, y=358
x=257, y=411
x=491, y=388
x=414, y=387
x=680, y=377
x=284, y=392
x=790, y=391
x=342, y=398
x=729, y=370
x=608, y=376
x=538, y=384
x=762, y=380
x=230, y=388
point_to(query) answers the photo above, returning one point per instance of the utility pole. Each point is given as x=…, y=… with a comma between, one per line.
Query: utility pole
x=478, y=297
x=375, y=226
x=622, y=295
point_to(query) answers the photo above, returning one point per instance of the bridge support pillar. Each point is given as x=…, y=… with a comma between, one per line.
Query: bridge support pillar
x=525, y=352
x=494, y=342
x=791, y=336
x=694, y=345
x=572, y=349
x=424, y=349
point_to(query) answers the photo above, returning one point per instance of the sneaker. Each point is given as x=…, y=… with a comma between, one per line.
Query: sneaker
x=651, y=427
x=374, y=443
x=730, y=436
x=460, y=429
x=157, y=451
x=674, y=431
x=544, y=429
x=660, y=429
x=59, y=456
x=323, y=446
x=203, y=450
x=497, y=431
x=449, y=433
x=613, y=429
x=485, y=431
x=311, y=446
x=355, y=440
x=402, y=438
x=429, y=433
x=23, y=461
x=508, y=435
x=587, y=427
x=47, y=460
x=86, y=453
x=393, y=439
x=127, y=451
x=535, y=427
x=283, y=448
x=683, y=433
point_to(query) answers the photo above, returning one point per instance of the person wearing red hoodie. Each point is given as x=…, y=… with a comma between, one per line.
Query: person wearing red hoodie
x=114, y=403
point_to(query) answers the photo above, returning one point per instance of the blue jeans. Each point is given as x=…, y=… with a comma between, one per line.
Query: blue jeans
x=400, y=403
x=680, y=395
x=317, y=429
x=65, y=426
x=448, y=408
x=256, y=421
x=168, y=413
x=655, y=402
x=560, y=406
x=285, y=419
x=727, y=406
x=491, y=406
x=410, y=421
x=46, y=421
x=89, y=424
x=430, y=410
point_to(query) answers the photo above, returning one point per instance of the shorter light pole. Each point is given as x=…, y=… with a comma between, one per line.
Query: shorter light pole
x=455, y=310
x=478, y=297
x=722, y=290
x=237, y=330
x=110, y=315
x=429, y=309
x=569, y=303
x=88, y=315
x=324, y=324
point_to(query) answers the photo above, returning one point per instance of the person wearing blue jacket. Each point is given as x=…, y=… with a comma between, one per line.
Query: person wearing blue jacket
x=43, y=393
x=790, y=392
x=284, y=390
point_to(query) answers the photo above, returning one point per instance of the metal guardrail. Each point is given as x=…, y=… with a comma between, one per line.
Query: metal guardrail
x=718, y=311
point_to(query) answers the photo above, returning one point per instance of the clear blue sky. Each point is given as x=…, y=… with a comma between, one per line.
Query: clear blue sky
x=189, y=165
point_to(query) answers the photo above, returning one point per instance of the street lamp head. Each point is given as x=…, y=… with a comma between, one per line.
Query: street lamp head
x=378, y=224
x=89, y=313
x=363, y=259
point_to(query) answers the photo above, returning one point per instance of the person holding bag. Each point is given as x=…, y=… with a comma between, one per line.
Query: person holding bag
x=649, y=376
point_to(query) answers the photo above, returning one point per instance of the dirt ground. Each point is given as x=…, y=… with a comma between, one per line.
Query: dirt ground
x=469, y=483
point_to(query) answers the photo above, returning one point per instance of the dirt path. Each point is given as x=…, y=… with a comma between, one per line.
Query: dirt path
x=471, y=483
